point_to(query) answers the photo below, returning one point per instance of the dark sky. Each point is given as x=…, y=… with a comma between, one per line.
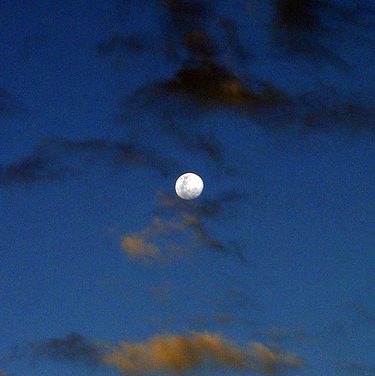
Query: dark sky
x=104, y=270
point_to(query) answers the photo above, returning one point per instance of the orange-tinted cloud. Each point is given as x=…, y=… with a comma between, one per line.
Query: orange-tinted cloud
x=141, y=245
x=138, y=247
x=175, y=354
x=183, y=219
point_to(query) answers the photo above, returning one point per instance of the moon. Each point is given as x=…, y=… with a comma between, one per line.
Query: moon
x=189, y=186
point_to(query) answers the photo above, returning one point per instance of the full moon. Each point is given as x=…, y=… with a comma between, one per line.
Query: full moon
x=189, y=186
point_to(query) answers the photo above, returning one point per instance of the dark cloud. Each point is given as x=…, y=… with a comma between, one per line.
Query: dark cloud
x=212, y=86
x=60, y=158
x=29, y=171
x=232, y=39
x=208, y=47
x=73, y=348
x=199, y=44
x=326, y=108
x=299, y=25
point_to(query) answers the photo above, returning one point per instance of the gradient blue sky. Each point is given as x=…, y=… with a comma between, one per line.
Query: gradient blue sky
x=90, y=147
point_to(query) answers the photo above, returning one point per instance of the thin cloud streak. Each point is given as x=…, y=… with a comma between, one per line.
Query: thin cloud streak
x=59, y=159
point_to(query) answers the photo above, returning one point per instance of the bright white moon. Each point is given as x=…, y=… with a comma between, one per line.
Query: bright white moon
x=189, y=186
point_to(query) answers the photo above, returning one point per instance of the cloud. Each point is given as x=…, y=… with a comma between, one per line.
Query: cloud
x=212, y=86
x=299, y=25
x=182, y=219
x=185, y=28
x=234, y=46
x=191, y=214
x=137, y=247
x=73, y=348
x=58, y=159
x=208, y=47
x=171, y=354
x=209, y=86
x=208, y=208
x=29, y=171
x=142, y=245
x=176, y=354
x=326, y=107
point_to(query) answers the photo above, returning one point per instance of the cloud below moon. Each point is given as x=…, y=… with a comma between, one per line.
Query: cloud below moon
x=176, y=354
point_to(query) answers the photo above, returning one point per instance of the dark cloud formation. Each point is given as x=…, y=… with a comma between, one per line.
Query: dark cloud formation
x=185, y=28
x=210, y=84
x=60, y=158
x=300, y=24
x=29, y=171
x=324, y=108
x=208, y=46
x=232, y=40
x=72, y=348
x=207, y=85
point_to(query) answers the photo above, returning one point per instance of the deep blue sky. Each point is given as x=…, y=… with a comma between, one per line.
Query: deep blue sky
x=103, y=104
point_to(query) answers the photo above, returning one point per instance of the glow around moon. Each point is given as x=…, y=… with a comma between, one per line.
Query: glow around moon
x=189, y=186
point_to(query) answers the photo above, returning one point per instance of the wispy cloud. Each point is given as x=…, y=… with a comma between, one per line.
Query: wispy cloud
x=299, y=25
x=58, y=159
x=30, y=170
x=176, y=354
x=143, y=246
x=181, y=219
x=137, y=247
x=73, y=348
